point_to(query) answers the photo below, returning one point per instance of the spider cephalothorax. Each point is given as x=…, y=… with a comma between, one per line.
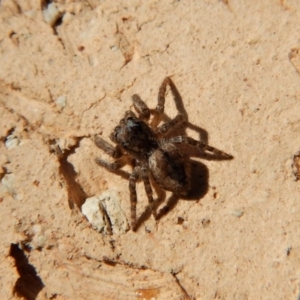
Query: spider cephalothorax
x=144, y=145
x=135, y=136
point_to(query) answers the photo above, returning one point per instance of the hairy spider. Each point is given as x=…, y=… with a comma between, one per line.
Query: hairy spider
x=143, y=144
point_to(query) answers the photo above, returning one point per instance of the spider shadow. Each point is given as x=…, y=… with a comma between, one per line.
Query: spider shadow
x=199, y=188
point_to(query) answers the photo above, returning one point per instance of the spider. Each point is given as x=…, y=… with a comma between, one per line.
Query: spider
x=143, y=144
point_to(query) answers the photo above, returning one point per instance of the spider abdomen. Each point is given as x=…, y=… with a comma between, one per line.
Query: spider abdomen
x=171, y=170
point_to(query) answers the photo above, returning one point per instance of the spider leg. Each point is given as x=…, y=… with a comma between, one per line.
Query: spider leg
x=190, y=141
x=112, y=151
x=134, y=176
x=164, y=128
x=112, y=166
x=148, y=189
x=159, y=110
x=141, y=107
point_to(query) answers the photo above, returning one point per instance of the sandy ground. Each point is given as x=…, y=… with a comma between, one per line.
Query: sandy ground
x=68, y=70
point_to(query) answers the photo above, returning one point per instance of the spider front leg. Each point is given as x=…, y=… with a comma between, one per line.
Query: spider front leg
x=159, y=110
x=202, y=146
x=112, y=151
x=141, y=107
x=164, y=128
x=112, y=166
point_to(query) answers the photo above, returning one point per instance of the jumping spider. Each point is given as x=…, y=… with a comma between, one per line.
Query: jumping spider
x=143, y=144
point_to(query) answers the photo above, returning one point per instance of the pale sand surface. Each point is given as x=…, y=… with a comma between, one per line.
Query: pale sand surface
x=67, y=72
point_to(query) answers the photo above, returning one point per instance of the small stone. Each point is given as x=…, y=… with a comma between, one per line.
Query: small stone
x=11, y=142
x=51, y=14
x=237, y=213
x=105, y=213
x=61, y=101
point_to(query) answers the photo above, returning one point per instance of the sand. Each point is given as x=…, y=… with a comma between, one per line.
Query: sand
x=68, y=70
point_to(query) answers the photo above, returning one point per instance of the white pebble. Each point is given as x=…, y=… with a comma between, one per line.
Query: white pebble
x=105, y=213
